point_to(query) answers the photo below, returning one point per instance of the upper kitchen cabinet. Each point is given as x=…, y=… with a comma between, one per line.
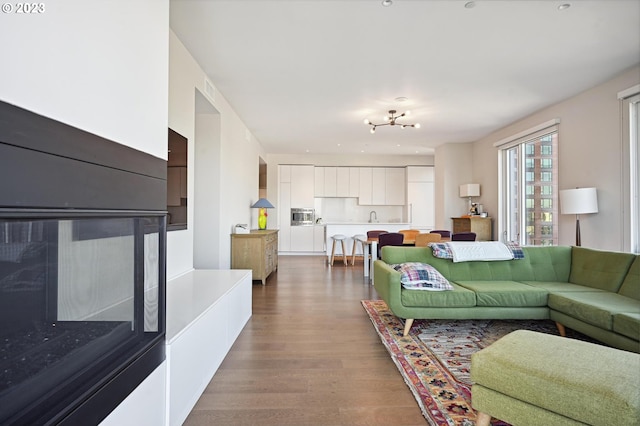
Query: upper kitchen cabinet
x=342, y=181
x=354, y=181
x=394, y=186
x=284, y=173
x=365, y=186
x=382, y=186
x=336, y=181
x=302, y=186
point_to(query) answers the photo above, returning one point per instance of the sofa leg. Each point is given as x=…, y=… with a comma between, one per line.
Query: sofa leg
x=407, y=326
x=483, y=419
x=561, y=329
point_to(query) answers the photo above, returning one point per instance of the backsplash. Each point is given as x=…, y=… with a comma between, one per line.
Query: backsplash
x=348, y=210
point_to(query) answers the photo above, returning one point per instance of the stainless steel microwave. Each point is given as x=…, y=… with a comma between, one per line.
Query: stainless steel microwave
x=302, y=217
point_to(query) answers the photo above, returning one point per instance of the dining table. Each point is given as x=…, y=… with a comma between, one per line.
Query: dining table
x=371, y=253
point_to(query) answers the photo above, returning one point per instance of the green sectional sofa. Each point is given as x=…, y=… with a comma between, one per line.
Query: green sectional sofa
x=594, y=292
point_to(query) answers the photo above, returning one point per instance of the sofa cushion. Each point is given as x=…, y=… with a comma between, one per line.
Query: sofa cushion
x=595, y=308
x=548, y=263
x=560, y=286
x=631, y=284
x=599, y=269
x=627, y=324
x=420, y=276
x=460, y=297
x=505, y=293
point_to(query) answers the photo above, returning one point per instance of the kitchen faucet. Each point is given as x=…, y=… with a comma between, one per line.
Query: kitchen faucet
x=373, y=212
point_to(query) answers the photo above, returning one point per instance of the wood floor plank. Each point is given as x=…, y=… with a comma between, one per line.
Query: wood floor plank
x=308, y=356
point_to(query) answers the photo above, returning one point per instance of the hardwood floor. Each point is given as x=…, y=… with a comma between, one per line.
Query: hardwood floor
x=308, y=356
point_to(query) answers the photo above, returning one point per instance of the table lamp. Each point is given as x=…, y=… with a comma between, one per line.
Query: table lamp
x=470, y=190
x=578, y=201
x=262, y=204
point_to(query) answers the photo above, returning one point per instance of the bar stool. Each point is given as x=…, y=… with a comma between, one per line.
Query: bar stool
x=362, y=240
x=341, y=238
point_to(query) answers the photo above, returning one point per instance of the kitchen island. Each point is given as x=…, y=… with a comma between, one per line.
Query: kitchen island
x=349, y=229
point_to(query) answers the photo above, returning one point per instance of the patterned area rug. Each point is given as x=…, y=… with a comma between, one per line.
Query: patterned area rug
x=435, y=358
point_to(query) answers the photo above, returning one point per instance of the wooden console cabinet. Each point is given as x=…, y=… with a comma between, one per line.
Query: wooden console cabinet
x=257, y=251
x=480, y=225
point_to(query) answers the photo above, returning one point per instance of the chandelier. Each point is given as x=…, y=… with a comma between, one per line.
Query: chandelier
x=391, y=121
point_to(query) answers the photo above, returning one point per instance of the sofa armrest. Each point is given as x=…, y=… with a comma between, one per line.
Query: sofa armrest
x=386, y=281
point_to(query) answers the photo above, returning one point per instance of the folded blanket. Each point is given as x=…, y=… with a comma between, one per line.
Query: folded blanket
x=465, y=251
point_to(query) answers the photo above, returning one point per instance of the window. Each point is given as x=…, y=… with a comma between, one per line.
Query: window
x=528, y=191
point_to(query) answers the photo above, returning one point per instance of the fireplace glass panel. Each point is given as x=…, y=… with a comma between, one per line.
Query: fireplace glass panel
x=79, y=298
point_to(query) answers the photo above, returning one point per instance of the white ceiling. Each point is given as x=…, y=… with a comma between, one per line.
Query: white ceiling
x=304, y=74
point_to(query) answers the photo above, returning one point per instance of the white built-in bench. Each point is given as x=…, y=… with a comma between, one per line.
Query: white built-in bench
x=206, y=311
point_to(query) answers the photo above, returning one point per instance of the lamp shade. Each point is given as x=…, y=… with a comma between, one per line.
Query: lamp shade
x=579, y=201
x=470, y=190
x=262, y=203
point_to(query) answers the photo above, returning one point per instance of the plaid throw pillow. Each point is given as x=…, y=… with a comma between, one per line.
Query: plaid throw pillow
x=516, y=250
x=421, y=276
x=441, y=250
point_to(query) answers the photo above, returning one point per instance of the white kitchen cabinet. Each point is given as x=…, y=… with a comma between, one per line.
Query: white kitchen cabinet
x=302, y=238
x=379, y=184
x=319, y=238
x=302, y=186
x=330, y=181
x=284, y=173
x=382, y=186
x=354, y=181
x=284, y=216
x=318, y=183
x=421, y=197
x=342, y=181
x=394, y=186
x=365, y=184
x=420, y=174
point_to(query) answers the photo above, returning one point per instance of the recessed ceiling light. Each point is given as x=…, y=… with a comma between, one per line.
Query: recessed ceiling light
x=387, y=3
x=470, y=4
x=564, y=6
x=402, y=99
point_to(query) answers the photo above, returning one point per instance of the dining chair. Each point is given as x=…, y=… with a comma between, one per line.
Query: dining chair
x=375, y=232
x=423, y=240
x=389, y=239
x=443, y=233
x=463, y=236
x=409, y=234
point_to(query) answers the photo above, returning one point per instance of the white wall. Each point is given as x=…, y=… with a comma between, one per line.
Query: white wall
x=236, y=177
x=93, y=65
x=454, y=167
x=590, y=154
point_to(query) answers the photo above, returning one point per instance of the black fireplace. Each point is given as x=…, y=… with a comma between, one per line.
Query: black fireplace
x=82, y=270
